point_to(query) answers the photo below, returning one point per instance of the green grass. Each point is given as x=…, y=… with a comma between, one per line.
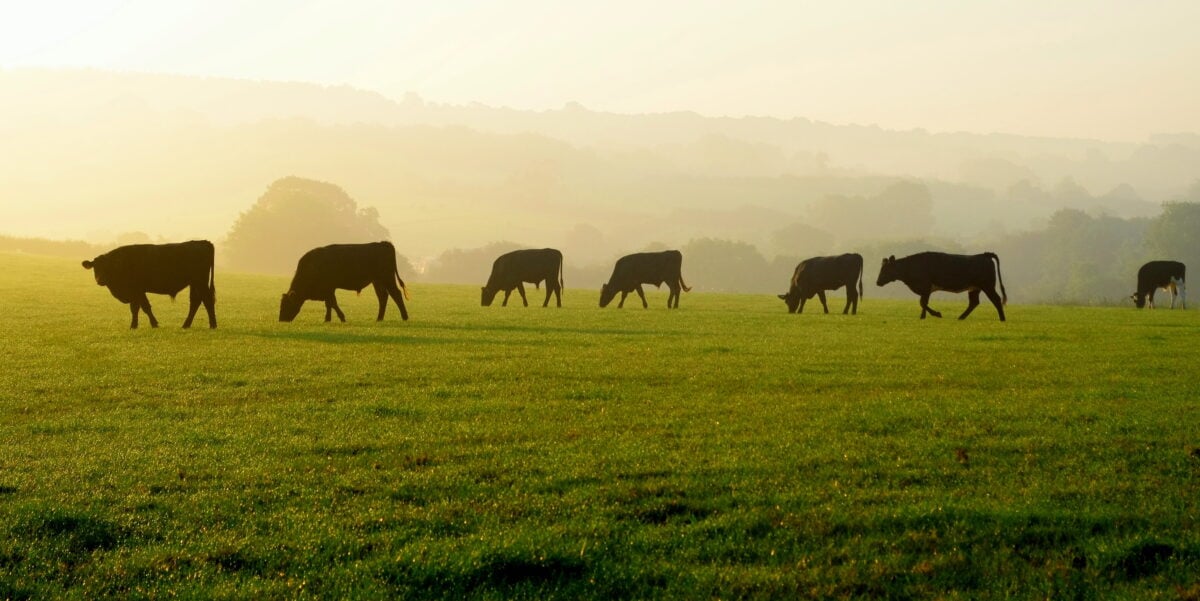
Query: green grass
x=726, y=449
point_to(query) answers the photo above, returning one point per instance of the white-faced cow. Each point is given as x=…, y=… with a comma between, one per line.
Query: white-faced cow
x=927, y=272
x=323, y=270
x=1168, y=275
x=534, y=265
x=655, y=268
x=131, y=271
x=816, y=275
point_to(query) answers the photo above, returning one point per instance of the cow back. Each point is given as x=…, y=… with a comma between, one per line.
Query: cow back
x=156, y=268
x=343, y=266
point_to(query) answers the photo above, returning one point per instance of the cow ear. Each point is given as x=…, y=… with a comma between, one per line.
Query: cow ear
x=892, y=259
x=87, y=264
x=782, y=297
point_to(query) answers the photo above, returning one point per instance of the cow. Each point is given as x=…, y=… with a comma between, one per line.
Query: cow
x=927, y=272
x=325, y=269
x=533, y=265
x=131, y=271
x=657, y=268
x=818, y=274
x=1168, y=275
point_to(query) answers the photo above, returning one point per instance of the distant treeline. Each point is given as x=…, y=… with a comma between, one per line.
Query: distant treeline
x=51, y=248
x=1076, y=258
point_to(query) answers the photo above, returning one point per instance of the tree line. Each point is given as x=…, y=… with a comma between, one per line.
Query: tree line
x=1076, y=257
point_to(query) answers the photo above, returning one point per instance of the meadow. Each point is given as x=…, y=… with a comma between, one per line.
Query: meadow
x=722, y=450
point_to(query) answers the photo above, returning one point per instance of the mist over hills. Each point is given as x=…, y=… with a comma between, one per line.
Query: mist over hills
x=94, y=154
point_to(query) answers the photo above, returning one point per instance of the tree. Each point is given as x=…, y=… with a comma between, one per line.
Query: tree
x=1172, y=235
x=726, y=266
x=471, y=266
x=293, y=216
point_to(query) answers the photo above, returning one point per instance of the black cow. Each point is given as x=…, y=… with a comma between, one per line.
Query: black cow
x=631, y=271
x=533, y=265
x=131, y=271
x=927, y=272
x=818, y=274
x=323, y=270
x=1168, y=275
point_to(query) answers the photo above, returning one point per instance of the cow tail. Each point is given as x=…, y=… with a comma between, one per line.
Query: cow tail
x=1003, y=292
x=560, y=275
x=403, y=288
x=684, y=284
x=861, y=269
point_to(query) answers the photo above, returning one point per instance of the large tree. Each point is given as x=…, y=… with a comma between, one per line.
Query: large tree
x=293, y=216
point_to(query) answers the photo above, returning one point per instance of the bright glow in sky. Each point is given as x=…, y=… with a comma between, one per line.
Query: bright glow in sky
x=1111, y=70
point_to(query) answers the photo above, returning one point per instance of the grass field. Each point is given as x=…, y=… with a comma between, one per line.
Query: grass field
x=722, y=450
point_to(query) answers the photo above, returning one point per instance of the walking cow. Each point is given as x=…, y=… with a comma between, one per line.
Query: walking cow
x=655, y=268
x=1168, y=275
x=131, y=271
x=818, y=274
x=323, y=270
x=927, y=272
x=511, y=270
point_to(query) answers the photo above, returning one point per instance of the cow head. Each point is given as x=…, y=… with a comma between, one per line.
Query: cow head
x=487, y=296
x=99, y=270
x=792, y=298
x=887, y=271
x=606, y=294
x=289, y=305
x=1139, y=299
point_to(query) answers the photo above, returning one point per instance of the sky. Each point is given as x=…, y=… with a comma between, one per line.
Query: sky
x=1100, y=69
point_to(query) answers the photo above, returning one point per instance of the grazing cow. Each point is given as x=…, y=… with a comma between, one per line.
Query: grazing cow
x=927, y=272
x=1168, y=275
x=631, y=271
x=818, y=274
x=323, y=270
x=512, y=270
x=131, y=271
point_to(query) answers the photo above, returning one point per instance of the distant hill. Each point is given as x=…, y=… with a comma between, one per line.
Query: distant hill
x=94, y=154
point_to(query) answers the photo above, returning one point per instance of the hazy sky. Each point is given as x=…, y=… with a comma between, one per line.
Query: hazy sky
x=1111, y=70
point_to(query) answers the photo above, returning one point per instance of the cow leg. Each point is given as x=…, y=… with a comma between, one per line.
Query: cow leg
x=382, y=295
x=549, y=291
x=800, y=309
x=673, y=297
x=557, y=295
x=210, y=306
x=398, y=297
x=507, y=293
x=642, y=294
x=995, y=298
x=521, y=289
x=972, y=302
x=621, y=304
x=825, y=305
x=194, y=300
x=925, y=308
x=133, y=312
x=851, y=298
x=1150, y=299
x=331, y=305
x=145, y=302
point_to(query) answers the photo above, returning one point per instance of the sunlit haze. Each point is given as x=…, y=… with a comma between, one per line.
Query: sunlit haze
x=1105, y=70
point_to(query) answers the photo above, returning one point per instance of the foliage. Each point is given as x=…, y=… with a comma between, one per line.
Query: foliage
x=470, y=266
x=723, y=450
x=293, y=216
x=1175, y=234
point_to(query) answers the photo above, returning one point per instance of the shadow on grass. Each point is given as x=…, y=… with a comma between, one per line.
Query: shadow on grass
x=354, y=337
